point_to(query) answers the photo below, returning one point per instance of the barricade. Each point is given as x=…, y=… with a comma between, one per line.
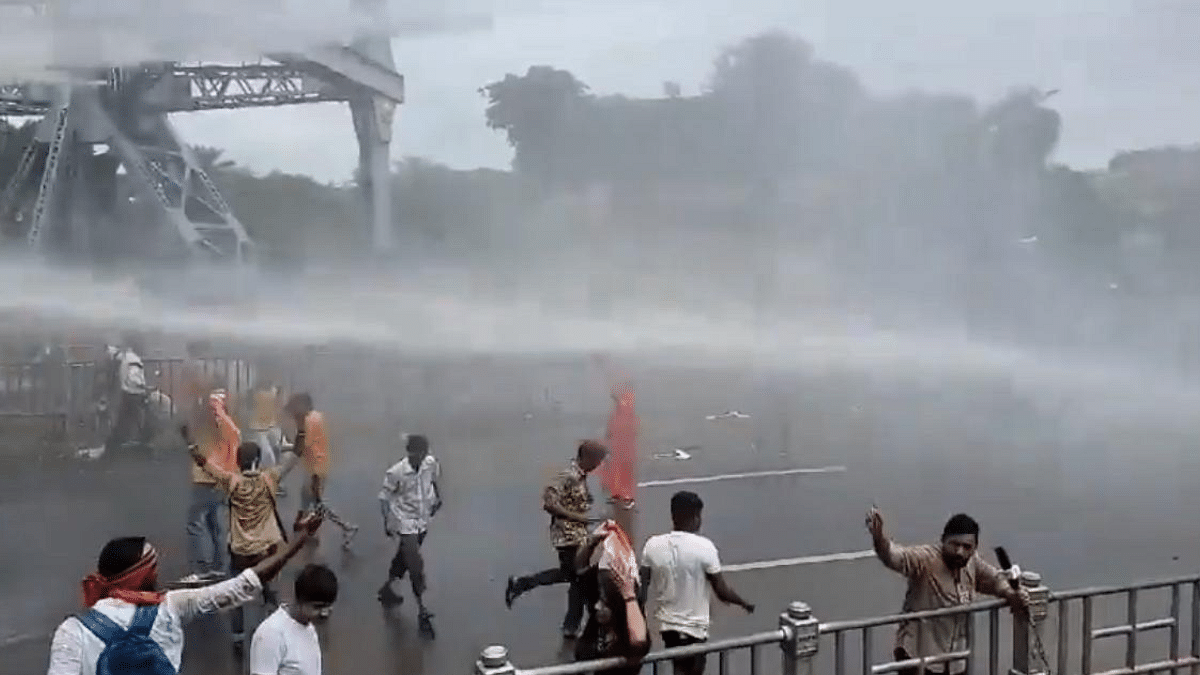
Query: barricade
x=807, y=646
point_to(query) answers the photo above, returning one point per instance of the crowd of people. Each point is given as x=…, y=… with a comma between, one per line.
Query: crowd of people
x=238, y=544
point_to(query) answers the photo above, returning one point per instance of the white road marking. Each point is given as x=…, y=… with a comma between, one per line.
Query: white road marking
x=737, y=476
x=793, y=562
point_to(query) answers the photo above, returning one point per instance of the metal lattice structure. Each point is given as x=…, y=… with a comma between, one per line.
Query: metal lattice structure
x=61, y=200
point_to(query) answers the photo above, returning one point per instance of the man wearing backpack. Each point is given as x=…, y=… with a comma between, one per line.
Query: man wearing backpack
x=131, y=628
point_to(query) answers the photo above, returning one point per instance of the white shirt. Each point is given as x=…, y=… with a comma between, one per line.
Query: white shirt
x=75, y=649
x=131, y=372
x=680, y=563
x=410, y=494
x=283, y=646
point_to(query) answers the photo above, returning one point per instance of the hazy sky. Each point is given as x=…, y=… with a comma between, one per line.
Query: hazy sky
x=1129, y=70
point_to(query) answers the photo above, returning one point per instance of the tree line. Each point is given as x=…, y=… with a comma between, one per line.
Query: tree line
x=777, y=139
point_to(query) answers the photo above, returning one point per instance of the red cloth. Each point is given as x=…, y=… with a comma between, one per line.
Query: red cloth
x=126, y=586
x=616, y=552
x=618, y=475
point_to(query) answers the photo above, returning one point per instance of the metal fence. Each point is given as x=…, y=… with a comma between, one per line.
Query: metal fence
x=807, y=646
x=75, y=396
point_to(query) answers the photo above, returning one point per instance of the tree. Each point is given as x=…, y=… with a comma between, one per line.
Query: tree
x=538, y=112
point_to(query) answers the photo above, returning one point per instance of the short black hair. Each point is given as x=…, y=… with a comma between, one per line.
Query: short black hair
x=316, y=584
x=119, y=555
x=247, y=454
x=960, y=523
x=303, y=398
x=685, y=504
x=591, y=446
x=416, y=443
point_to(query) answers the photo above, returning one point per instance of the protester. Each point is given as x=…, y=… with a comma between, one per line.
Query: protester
x=943, y=575
x=255, y=530
x=679, y=567
x=131, y=397
x=410, y=498
x=313, y=436
x=217, y=438
x=567, y=499
x=616, y=624
x=265, y=403
x=285, y=643
x=130, y=620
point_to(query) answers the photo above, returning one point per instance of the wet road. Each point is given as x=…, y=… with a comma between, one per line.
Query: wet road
x=1079, y=495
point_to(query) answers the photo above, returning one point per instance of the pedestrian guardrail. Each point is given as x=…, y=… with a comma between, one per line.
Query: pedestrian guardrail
x=807, y=646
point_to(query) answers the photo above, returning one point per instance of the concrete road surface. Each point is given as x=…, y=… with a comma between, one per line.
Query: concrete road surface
x=1081, y=485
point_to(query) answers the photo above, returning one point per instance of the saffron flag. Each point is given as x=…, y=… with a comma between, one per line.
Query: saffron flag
x=619, y=473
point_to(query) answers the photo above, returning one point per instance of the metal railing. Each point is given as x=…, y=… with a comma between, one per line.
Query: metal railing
x=76, y=396
x=804, y=641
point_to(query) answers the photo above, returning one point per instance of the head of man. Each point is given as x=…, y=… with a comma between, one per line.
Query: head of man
x=316, y=590
x=299, y=405
x=417, y=447
x=133, y=341
x=960, y=538
x=590, y=455
x=248, y=456
x=686, y=508
x=127, y=569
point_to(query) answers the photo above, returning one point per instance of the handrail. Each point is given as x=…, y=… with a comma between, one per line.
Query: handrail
x=800, y=634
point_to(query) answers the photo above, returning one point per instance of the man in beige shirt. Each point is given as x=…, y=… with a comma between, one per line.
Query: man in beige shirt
x=255, y=530
x=948, y=574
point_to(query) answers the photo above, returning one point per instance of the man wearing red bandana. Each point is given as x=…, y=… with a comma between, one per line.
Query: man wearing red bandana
x=125, y=583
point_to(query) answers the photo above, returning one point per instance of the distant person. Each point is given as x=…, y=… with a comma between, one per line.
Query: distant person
x=133, y=627
x=616, y=624
x=285, y=643
x=217, y=439
x=265, y=402
x=255, y=529
x=679, y=567
x=132, y=394
x=567, y=499
x=949, y=574
x=312, y=443
x=410, y=498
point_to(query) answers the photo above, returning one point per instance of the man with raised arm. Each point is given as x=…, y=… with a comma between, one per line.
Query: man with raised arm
x=946, y=574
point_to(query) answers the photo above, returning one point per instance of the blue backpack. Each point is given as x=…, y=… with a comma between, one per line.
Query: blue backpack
x=128, y=652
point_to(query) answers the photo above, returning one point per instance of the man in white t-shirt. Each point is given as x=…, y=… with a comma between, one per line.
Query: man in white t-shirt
x=285, y=643
x=678, y=568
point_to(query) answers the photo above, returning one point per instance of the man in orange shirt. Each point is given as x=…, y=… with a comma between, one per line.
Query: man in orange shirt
x=217, y=438
x=312, y=444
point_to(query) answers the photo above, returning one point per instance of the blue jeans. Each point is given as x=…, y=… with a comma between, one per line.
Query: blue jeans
x=208, y=529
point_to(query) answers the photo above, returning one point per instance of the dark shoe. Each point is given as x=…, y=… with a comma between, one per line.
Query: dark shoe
x=510, y=593
x=388, y=597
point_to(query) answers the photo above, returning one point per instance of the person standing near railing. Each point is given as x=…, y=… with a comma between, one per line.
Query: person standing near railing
x=616, y=624
x=679, y=567
x=949, y=574
x=132, y=393
x=217, y=439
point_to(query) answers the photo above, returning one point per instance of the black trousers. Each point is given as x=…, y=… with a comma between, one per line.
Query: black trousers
x=131, y=414
x=688, y=665
x=239, y=564
x=408, y=559
x=563, y=574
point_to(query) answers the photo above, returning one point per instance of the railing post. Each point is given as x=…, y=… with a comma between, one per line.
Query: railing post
x=494, y=661
x=1029, y=656
x=801, y=637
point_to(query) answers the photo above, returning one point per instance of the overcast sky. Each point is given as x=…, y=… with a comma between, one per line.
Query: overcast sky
x=1129, y=70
